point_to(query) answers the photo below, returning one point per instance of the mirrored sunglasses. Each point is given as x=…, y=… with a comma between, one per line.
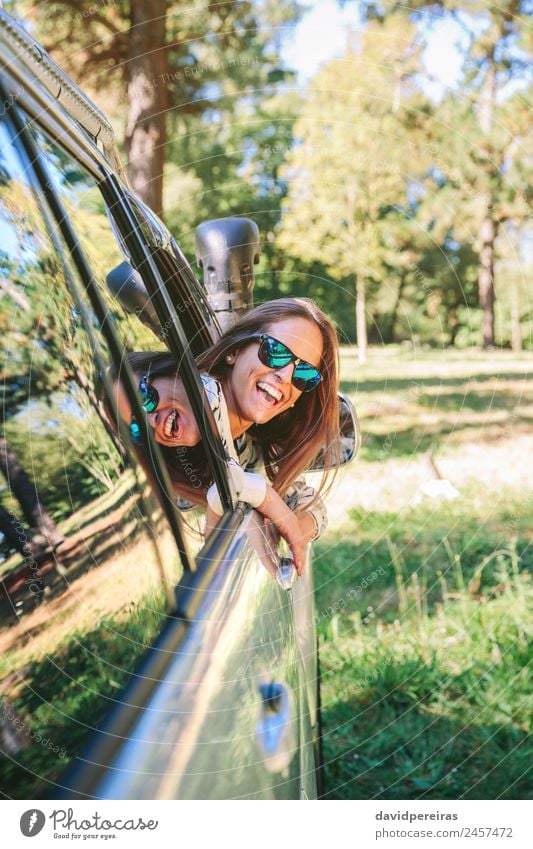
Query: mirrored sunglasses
x=149, y=401
x=275, y=354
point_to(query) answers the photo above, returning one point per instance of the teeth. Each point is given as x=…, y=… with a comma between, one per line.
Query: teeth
x=170, y=423
x=274, y=393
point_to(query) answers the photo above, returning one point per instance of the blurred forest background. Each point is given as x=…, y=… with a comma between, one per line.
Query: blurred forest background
x=399, y=204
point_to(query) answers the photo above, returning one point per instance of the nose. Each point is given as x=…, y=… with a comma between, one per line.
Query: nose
x=285, y=372
x=152, y=418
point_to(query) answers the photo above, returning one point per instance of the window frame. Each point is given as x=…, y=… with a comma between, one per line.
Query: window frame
x=37, y=171
x=142, y=260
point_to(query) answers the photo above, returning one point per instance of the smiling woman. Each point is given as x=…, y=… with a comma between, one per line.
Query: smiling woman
x=164, y=400
x=271, y=381
x=292, y=432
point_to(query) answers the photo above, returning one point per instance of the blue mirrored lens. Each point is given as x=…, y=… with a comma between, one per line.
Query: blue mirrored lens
x=278, y=354
x=135, y=432
x=149, y=395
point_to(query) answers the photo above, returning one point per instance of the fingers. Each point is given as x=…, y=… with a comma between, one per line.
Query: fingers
x=290, y=531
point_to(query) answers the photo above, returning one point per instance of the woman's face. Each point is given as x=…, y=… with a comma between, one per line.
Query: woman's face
x=172, y=420
x=259, y=393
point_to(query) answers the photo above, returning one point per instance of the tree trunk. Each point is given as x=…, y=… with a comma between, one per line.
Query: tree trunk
x=360, y=318
x=453, y=325
x=487, y=234
x=147, y=101
x=516, y=330
x=25, y=491
x=488, y=225
x=395, y=309
x=7, y=527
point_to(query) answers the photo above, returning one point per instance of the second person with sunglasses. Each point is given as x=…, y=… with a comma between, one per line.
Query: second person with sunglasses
x=272, y=385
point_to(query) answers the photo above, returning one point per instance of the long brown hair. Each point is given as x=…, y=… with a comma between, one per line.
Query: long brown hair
x=289, y=442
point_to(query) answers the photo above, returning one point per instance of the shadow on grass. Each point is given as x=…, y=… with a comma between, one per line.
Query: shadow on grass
x=97, y=543
x=395, y=384
x=419, y=439
x=476, y=401
x=389, y=745
x=62, y=699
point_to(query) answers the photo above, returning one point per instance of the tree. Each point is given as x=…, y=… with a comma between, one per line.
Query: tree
x=347, y=173
x=479, y=137
x=160, y=58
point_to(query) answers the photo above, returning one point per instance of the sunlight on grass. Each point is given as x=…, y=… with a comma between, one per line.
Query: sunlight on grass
x=424, y=605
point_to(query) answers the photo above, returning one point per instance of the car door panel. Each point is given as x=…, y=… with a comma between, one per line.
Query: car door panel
x=211, y=730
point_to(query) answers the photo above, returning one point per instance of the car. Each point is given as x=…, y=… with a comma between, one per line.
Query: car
x=140, y=660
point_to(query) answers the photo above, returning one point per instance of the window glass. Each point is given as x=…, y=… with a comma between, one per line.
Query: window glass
x=98, y=238
x=87, y=212
x=81, y=586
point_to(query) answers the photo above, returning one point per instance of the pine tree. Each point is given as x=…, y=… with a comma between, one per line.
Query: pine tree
x=348, y=171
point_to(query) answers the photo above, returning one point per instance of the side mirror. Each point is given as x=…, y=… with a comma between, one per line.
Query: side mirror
x=227, y=250
x=127, y=286
x=349, y=438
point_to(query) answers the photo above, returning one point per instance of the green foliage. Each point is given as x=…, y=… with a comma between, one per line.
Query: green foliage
x=432, y=702
x=212, y=181
x=355, y=180
x=361, y=178
x=394, y=190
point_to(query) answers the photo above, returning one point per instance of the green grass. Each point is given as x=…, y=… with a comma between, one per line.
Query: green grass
x=424, y=610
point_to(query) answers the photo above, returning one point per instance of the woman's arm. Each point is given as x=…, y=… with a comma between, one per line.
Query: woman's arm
x=254, y=490
x=311, y=510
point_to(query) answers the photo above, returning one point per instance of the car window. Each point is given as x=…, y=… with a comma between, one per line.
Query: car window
x=87, y=560
x=81, y=197
x=188, y=297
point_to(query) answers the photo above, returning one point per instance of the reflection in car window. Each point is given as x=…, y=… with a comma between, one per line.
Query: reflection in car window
x=83, y=202
x=81, y=594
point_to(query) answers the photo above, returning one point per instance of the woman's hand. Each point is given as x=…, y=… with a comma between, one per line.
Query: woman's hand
x=307, y=529
x=287, y=525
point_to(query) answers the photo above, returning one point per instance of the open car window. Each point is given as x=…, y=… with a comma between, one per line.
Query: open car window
x=88, y=561
x=83, y=205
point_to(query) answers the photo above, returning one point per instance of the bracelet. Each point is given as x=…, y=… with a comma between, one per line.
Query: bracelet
x=317, y=527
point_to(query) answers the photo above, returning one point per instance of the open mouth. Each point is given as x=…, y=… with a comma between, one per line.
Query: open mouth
x=171, y=426
x=269, y=394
